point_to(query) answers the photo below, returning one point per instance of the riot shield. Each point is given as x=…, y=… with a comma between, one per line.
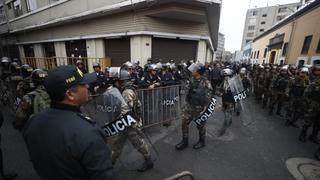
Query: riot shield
x=114, y=116
x=237, y=88
x=106, y=107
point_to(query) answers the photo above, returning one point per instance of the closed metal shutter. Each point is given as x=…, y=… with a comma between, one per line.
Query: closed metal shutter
x=173, y=49
x=118, y=50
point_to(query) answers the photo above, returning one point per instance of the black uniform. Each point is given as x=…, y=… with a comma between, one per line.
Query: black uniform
x=71, y=142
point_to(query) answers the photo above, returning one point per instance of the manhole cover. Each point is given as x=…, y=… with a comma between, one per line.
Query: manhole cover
x=304, y=168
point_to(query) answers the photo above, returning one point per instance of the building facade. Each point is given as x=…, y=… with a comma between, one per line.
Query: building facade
x=258, y=20
x=57, y=32
x=220, y=47
x=295, y=40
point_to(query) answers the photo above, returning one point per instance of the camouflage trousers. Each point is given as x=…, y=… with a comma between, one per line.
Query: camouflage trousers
x=135, y=136
x=266, y=97
x=312, y=117
x=191, y=113
x=295, y=110
x=279, y=99
x=227, y=109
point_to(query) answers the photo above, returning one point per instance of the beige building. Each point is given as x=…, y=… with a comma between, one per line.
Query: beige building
x=294, y=40
x=56, y=32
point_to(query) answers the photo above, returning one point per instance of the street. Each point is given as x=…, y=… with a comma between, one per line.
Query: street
x=256, y=146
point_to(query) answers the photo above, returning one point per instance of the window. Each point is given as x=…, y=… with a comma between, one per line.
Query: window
x=284, y=49
x=252, y=21
x=263, y=22
x=31, y=5
x=283, y=9
x=9, y=6
x=264, y=15
x=279, y=18
x=258, y=54
x=250, y=34
x=248, y=40
x=265, y=52
x=261, y=30
x=306, y=45
x=318, y=47
x=254, y=56
x=17, y=8
x=2, y=15
x=254, y=13
x=251, y=27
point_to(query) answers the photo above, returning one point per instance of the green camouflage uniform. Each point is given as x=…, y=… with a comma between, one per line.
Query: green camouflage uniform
x=297, y=102
x=198, y=97
x=280, y=92
x=312, y=93
x=134, y=133
x=32, y=103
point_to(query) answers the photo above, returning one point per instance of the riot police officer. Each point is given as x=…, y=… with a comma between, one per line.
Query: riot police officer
x=133, y=133
x=312, y=94
x=227, y=100
x=33, y=102
x=280, y=90
x=151, y=80
x=198, y=97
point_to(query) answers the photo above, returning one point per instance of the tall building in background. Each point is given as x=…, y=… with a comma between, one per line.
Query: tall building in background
x=258, y=20
x=220, y=47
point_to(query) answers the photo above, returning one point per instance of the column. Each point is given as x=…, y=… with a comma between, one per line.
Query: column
x=202, y=51
x=39, y=55
x=61, y=54
x=22, y=55
x=140, y=48
x=95, y=50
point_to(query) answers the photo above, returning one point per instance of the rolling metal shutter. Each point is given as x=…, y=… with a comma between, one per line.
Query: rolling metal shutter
x=173, y=49
x=118, y=50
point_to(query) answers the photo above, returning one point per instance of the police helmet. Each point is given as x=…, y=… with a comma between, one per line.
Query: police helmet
x=128, y=65
x=5, y=60
x=304, y=70
x=317, y=67
x=227, y=72
x=159, y=65
x=261, y=66
x=26, y=70
x=118, y=73
x=95, y=65
x=194, y=67
x=79, y=62
x=152, y=67
x=243, y=70
x=38, y=76
x=15, y=67
x=173, y=66
x=284, y=68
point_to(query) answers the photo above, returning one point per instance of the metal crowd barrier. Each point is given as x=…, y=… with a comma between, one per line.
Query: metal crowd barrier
x=161, y=105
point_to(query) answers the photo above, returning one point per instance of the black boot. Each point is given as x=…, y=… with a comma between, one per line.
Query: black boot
x=303, y=135
x=148, y=164
x=201, y=143
x=9, y=176
x=183, y=144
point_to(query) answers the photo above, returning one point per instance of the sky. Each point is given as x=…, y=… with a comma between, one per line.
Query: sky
x=233, y=15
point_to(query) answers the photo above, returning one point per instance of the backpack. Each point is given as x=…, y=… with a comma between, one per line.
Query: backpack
x=41, y=100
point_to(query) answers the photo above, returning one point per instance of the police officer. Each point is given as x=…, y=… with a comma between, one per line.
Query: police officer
x=296, y=107
x=24, y=86
x=267, y=79
x=33, y=102
x=151, y=80
x=227, y=100
x=134, y=133
x=100, y=78
x=80, y=65
x=312, y=93
x=15, y=77
x=62, y=142
x=280, y=90
x=167, y=79
x=5, y=68
x=198, y=96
